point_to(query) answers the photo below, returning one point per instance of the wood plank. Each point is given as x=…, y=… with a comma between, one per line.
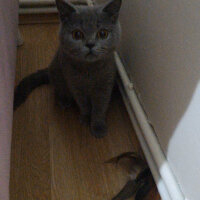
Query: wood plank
x=77, y=158
x=30, y=165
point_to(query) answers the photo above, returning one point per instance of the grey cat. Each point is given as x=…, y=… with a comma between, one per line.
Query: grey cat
x=83, y=68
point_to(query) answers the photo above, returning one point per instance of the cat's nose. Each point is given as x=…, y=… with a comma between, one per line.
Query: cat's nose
x=90, y=45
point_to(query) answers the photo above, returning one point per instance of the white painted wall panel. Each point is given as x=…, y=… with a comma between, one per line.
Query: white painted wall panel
x=161, y=49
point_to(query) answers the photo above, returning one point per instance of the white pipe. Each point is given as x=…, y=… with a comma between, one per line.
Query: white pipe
x=149, y=135
x=159, y=182
x=38, y=10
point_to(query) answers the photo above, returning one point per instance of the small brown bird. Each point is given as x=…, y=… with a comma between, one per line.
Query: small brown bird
x=140, y=181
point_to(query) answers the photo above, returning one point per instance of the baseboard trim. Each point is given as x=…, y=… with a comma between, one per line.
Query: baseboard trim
x=164, y=178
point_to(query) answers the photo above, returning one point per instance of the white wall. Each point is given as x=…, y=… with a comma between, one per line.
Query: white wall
x=161, y=49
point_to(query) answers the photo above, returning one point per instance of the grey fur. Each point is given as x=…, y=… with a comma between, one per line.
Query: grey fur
x=74, y=72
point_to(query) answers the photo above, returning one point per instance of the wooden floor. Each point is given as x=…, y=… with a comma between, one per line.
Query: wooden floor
x=53, y=156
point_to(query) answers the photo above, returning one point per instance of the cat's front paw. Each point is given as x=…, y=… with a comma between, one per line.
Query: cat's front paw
x=64, y=103
x=99, y=129
x=85, y=119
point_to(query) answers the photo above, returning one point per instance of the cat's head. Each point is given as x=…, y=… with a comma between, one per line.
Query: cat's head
x=89, y=33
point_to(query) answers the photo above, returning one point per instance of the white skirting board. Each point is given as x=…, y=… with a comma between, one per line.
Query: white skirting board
x=164, y=178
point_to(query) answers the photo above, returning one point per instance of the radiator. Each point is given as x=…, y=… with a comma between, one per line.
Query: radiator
x=37, y=6
x=41, y=6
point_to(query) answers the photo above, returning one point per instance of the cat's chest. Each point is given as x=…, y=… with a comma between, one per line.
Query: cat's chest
x=88, y=79
x=83, y=78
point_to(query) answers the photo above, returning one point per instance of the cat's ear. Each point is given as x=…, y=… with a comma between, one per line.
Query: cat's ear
x=112, y=8
x=65, y=9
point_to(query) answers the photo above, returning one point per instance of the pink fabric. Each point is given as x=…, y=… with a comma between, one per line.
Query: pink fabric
x=8, y=41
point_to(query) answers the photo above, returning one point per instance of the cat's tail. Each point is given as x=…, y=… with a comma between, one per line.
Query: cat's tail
x=28, y=84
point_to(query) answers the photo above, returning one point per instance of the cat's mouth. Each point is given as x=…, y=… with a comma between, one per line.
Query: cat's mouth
x=91, y=54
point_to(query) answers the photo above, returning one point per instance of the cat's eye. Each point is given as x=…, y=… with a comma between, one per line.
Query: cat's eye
x=77, y=35
x=102, y=34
